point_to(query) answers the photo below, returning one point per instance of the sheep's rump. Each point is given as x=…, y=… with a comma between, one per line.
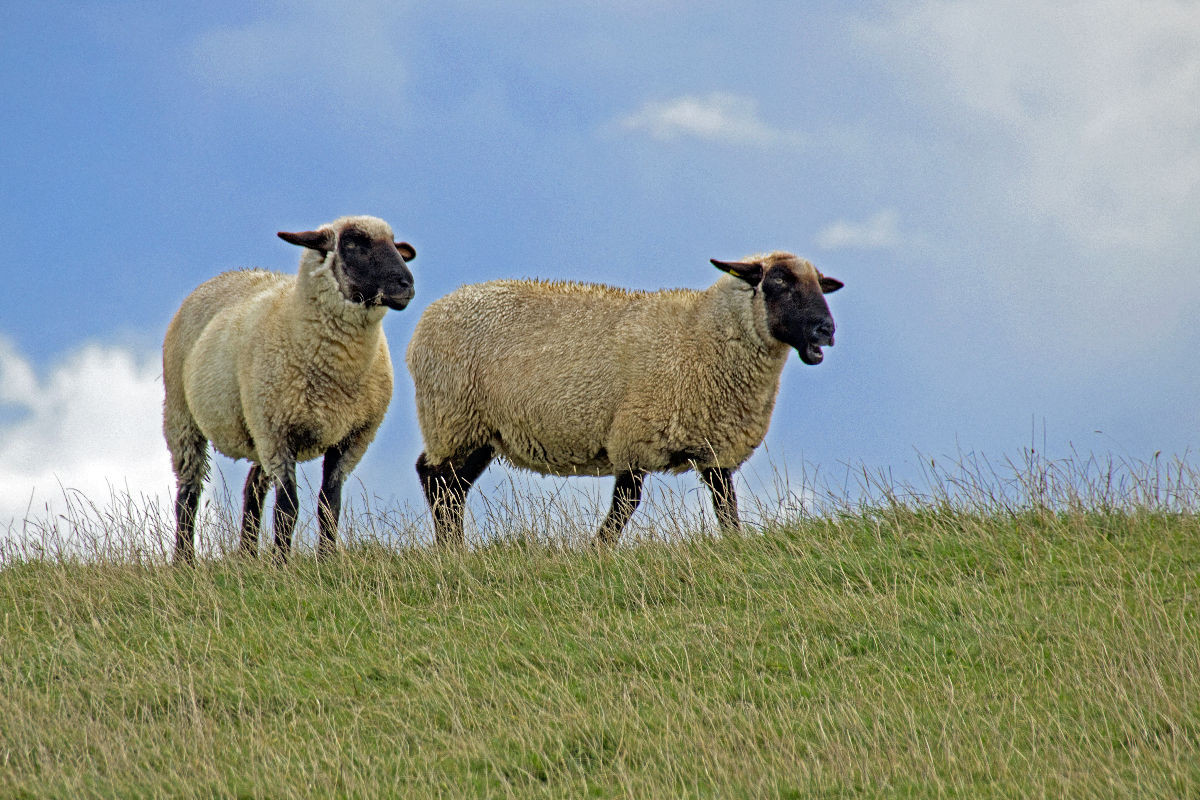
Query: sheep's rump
x=559, y=378
x=201, y=355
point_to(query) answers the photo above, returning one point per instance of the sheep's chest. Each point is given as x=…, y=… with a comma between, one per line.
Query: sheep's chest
x=717, y=420
x=725, y=442
x=320, y=416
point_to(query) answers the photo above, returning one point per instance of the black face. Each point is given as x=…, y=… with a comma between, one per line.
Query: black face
x=373, y=271
x=797, y=313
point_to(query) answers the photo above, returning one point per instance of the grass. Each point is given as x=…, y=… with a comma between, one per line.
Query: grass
x=983, y=638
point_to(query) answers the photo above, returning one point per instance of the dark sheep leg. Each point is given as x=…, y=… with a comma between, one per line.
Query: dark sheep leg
x=287, y=503
x=719, y=481
x=329, y=501
x=446, y=486
x=186, y=503
x=627, y=493
x=253, y=495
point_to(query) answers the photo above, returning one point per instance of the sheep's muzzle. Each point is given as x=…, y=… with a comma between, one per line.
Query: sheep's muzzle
x=396, y=302
x=821, y=336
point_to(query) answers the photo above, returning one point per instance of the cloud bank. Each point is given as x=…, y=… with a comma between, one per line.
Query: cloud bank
x=92, y=424
x=1099, y=98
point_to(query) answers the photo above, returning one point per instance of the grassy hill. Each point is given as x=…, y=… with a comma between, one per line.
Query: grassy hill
x=902, y=648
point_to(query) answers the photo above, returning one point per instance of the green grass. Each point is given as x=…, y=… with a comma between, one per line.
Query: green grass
x=922, y=649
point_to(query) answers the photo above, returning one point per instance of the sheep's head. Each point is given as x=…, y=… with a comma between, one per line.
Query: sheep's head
x=794, y=299
x=369, y=266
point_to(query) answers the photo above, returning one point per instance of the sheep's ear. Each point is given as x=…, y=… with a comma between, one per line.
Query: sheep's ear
x=407, y=251
x=749, y=271
x=313, y=240
x=830, y=285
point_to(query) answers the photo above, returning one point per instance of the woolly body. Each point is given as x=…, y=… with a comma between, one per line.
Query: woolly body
x=272, y=365
x=587, y=379
x=568, y=379
x=278, y=369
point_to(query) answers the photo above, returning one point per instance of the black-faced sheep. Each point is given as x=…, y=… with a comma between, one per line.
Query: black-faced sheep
x=582, y=379
x=279, y=368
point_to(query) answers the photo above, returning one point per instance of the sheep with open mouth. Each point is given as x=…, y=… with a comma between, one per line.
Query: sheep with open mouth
x=584, y=379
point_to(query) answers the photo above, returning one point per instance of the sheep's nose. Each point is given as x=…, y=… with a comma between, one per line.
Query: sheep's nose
x=824, y=330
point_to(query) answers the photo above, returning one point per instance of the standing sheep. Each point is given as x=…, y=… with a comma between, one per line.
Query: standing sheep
x=582, y=379
x=279, y=368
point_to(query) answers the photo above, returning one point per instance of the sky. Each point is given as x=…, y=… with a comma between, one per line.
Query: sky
x=1010, y=192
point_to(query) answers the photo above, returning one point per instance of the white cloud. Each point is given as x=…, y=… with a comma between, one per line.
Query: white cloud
x=91, y=426
x=719, y=116
x=310, y=56
x=1101, y=99
x=880, y=232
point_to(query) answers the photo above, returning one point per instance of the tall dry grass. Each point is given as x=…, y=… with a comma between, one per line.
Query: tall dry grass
x=1023, y=630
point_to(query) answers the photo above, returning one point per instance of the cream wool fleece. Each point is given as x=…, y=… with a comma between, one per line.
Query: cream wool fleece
x=565, y=378
x=262, y=362
x=279, y=369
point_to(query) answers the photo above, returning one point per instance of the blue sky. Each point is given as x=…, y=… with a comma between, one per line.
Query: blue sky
x=1011, y=193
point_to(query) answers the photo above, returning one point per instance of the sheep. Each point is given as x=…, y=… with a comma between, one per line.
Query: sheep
x=585, y=379
x=278, y=369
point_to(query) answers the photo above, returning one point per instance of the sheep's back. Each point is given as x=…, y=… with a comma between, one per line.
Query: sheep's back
x=203, y=346
x=537, y=369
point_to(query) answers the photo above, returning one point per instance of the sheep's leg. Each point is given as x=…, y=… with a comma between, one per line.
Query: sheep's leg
x=446, y=486
x=719, y=481
x=186, y=503
x=627, y=493
x=339, y=461
x=189, y=456
x=253, y=495
x=287, y=503
x=329, y=501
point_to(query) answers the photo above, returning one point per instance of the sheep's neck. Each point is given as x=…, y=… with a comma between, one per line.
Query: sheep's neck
x=737, y=320
x=342, y=337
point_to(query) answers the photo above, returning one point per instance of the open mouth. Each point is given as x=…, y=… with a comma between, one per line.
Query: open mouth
x=812, y=355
